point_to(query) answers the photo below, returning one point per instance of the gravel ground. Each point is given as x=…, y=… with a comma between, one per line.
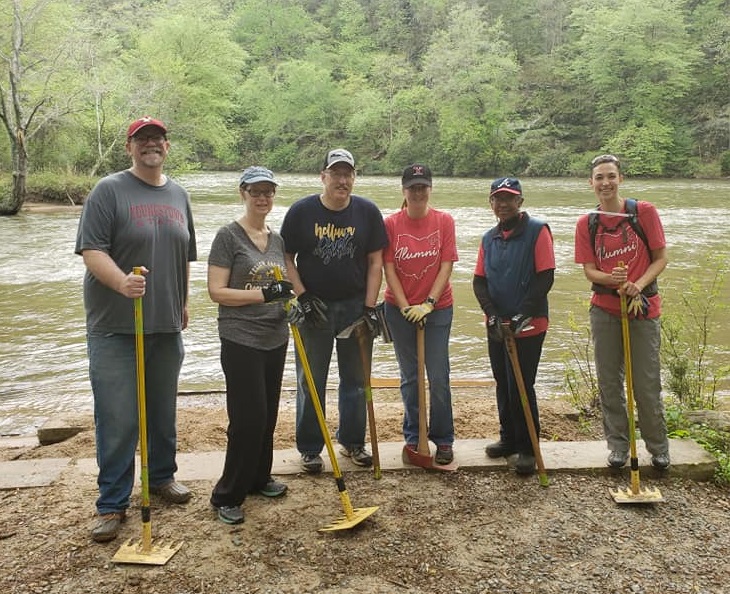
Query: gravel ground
x=467, y=532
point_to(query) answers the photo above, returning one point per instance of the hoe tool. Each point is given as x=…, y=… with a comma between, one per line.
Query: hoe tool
x=363, y=335
x=353, y=516
x=422, y=456
x=509, y=341
x=634, y=493
x=144, y=551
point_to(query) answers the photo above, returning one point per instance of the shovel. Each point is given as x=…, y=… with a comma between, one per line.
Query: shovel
x=422, y=456
x=353, y=516
x=359, y=327
x=509, y=342
x=634, y=493
x=143, y=551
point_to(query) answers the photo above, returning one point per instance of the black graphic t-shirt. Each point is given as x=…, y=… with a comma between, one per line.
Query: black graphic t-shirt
x=331, y=247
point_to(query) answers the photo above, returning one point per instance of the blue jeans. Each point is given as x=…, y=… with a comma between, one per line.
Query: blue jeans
x=318, y=343
x=113, y=375
x=438, y=328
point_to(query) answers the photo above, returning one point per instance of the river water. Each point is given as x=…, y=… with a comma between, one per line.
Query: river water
x=43, y=365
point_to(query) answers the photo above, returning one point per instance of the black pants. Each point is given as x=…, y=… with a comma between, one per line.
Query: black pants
x=512, y=425
x=253, y=388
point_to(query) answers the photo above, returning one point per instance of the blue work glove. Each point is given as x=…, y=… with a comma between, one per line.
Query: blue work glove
x=494, y=329
x=370, y=315
x=315, y=310
x=277, y=290
x=519, y=322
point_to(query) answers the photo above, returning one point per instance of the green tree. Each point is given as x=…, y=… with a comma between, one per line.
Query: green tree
x=634, y=58
x=473, y=74
x=187, y=69
x=39, y=85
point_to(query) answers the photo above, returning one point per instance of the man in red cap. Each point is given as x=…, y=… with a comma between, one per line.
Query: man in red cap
x=135, y=218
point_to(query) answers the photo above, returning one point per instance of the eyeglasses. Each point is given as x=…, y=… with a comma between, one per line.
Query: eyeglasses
x=261, y=193
x=606, y=159
x=156, y=138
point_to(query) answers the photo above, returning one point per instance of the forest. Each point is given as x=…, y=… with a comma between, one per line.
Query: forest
x=471, y=87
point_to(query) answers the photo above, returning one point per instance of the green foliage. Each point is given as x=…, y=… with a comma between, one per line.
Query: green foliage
x=472, y=88
x=580, y=379
x=725, y=164
x=58, y=187
x=692, y=376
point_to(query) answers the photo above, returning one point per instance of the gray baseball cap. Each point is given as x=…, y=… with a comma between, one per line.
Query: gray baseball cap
x=254, y=174
x=339, y=155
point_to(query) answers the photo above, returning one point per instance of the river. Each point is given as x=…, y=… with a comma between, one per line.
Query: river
x=43, y=365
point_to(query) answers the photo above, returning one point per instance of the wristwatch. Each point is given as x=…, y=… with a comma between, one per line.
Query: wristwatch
x=431, y=300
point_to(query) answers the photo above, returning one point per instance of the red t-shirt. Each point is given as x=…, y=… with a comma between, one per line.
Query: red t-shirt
x=619, y=243
x=417, y=247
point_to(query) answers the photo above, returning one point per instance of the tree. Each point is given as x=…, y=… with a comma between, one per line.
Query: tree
x=35, y=53
x=635, y=57
x=474, y=76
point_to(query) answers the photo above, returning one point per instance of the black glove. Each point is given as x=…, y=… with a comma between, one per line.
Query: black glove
x=371, y=319
x=519, y=322
x=315, y=310
x=277, y=290
x=494, y=329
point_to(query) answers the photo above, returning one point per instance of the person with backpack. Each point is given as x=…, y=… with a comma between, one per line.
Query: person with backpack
x=621, y=246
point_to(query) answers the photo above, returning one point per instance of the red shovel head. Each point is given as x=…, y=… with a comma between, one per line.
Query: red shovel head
x=412, y=456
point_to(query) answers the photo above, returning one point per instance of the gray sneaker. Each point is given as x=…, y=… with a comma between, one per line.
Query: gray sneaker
x=312, y=463
x=229, y=514
x=172, y=492
x=107, y=526
x=358, y=455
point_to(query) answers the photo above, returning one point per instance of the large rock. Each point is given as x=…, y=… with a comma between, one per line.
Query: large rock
x=58, y=429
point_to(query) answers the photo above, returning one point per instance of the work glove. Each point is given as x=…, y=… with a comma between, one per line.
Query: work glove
x=315, y=310
x=416, y=314
x=638, y=306
x=494, y=329
x=294, y=312
x=277, y=290
x=370, y=315
x=519, y=322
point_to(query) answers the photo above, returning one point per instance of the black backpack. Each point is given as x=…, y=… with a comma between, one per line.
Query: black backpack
x=632, y=209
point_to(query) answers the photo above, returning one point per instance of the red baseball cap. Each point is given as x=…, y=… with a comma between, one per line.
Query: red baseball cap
x=143, y=122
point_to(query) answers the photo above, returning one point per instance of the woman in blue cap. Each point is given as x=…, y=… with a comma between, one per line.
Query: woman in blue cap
x=254, y=336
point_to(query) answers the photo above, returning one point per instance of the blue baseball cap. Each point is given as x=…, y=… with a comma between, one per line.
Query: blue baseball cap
x=254, y=174
x=506, y=184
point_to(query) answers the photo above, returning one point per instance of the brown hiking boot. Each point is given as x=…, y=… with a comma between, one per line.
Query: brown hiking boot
x=107, y=526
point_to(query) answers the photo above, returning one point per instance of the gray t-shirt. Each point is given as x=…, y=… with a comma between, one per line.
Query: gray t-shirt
x=258, y=325
x=138, y=225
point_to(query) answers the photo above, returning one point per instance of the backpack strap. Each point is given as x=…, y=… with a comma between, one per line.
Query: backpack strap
x=632, y=209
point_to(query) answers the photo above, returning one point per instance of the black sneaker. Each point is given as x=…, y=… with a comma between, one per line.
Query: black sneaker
x=358, y=455
x=312, y=463
x=525, y=463
x=617, y=458
x=229, y=514
x=273, y=489
x=444, y=454
x=499, y=449
x=660, y=461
